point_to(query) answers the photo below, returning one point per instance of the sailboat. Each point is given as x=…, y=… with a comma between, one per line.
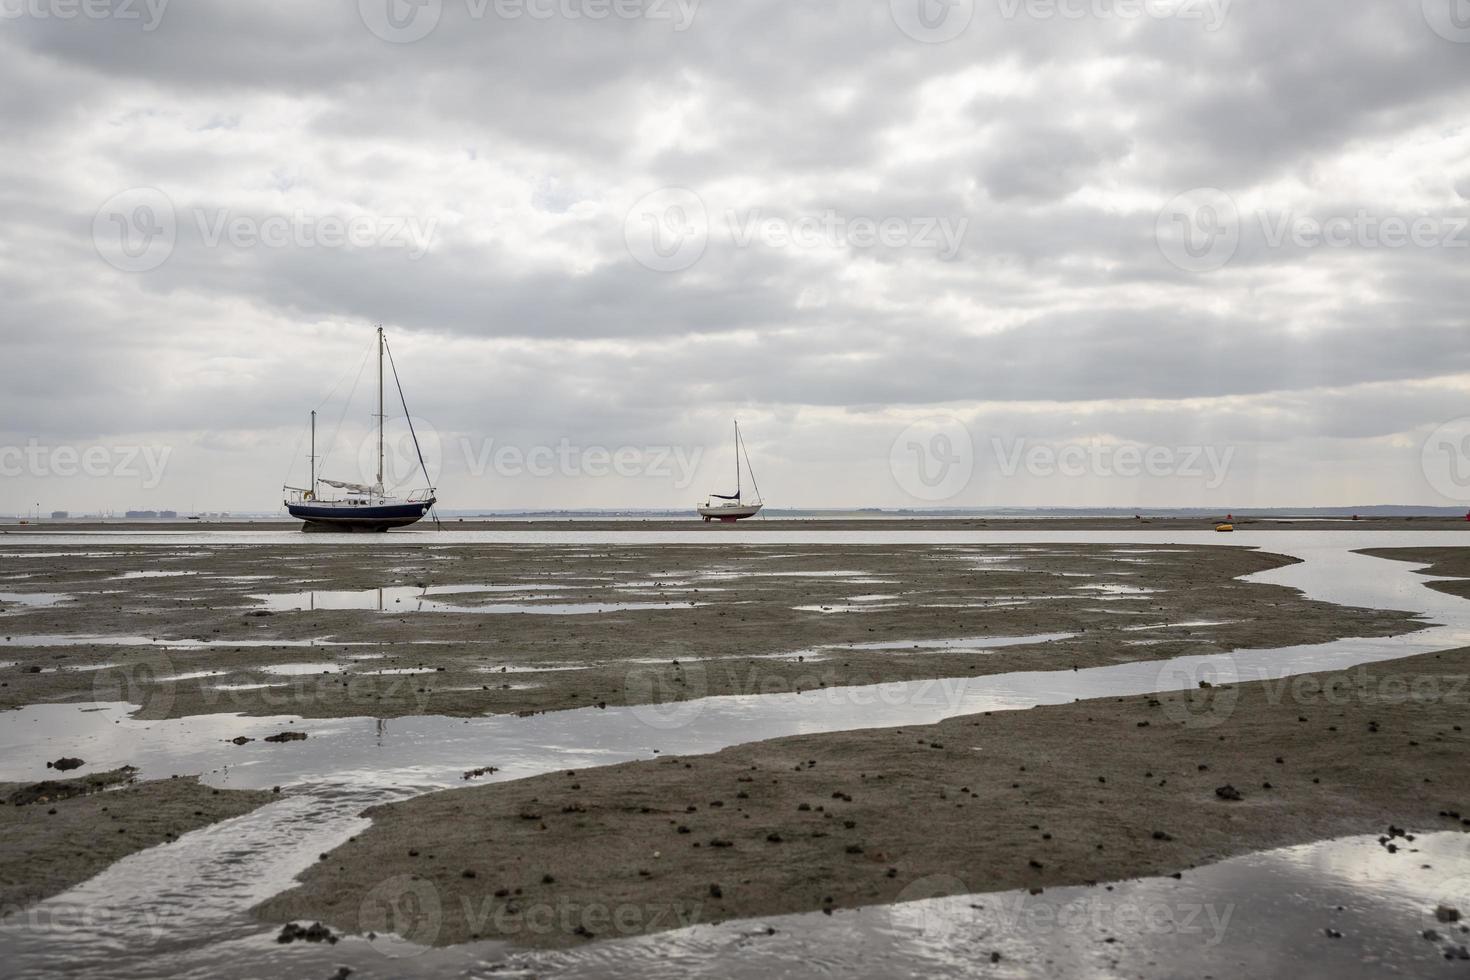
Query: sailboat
x=362, y=508
x=732, y=507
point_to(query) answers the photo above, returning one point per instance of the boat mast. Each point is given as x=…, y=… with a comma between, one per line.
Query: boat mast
x=380, y=410
x=313, y=453
x=737, y=461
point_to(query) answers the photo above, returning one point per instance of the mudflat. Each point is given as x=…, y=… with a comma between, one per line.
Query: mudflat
x=60, y=832
x=404, y=628
x=1087, y=792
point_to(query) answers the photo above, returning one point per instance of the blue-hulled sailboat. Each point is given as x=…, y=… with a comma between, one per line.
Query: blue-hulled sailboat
x=361, y=507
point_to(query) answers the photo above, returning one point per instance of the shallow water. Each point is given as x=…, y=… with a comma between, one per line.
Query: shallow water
x=180, y=909
x=408, y=598
x=35, y=600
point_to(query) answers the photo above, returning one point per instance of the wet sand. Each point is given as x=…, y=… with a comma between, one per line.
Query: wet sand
x=54, y=840
x=672, y=621
x=1088, y=792
x=966, y=805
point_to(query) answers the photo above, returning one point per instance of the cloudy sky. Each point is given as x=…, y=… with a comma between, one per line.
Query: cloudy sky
x=930, y=252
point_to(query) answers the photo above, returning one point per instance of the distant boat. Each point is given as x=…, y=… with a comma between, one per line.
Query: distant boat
x=363, y=508
x=731, y=506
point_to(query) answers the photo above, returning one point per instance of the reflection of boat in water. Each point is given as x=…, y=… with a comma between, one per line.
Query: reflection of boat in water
x=731, y=507
x=363, y=508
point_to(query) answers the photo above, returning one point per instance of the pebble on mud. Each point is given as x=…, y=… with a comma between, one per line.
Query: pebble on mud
x=314, y=933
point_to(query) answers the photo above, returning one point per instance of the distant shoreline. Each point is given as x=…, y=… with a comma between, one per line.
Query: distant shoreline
x=876, y=523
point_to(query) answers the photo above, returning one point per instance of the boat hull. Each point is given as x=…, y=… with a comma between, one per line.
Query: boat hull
x=366, y=517
x=730, y=514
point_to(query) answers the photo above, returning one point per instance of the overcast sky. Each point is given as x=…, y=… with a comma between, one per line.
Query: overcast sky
x=982, y=252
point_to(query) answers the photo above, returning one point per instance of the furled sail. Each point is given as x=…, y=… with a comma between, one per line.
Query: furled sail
x=349, y=487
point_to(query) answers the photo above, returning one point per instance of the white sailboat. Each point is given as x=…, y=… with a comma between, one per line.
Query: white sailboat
x=732, y=507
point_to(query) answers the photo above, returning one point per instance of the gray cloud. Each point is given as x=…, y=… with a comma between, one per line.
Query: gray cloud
x=518, y=146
